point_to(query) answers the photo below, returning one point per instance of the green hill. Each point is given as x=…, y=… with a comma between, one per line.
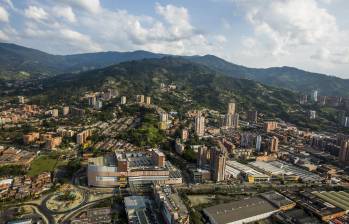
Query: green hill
x=284, y=77
x=17, y=62
x=197, y=86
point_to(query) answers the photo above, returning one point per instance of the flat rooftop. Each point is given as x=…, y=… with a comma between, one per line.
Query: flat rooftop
x=317, y=205
x=266, y=167
x=299, y=216
x=277, y=199
x=107, y=160
x=135, y=202
x=135, y=160
x=239, y=210
x=292, y=169
x=245, y=169
x=337, y=198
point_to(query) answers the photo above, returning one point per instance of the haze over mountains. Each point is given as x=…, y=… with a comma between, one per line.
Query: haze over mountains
x=17, y=62
x=15, y=58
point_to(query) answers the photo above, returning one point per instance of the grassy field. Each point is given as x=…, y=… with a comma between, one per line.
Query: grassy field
x=42, y=164
x=196, y=200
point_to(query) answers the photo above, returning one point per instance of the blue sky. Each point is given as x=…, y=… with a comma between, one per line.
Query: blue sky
x=308, y=34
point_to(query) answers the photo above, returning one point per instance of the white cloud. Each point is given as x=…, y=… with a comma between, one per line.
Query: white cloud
x=343, y=57
x=327, y=1
x=220, y=39
x=289, y=23
x=249, y=42
x=9, y=3
x=305, y=33
x=79, y=39
x=93, y=6
x=4, y=16
x=293, y=32
x=60, y=36
x=65, y=12
x=7, y=34
x=36, y=13
x=11, y=6
x=321, y=54
x=172, y=33
x=71, y=26
x=3, y=36
x=177, y=18
x=337, y=57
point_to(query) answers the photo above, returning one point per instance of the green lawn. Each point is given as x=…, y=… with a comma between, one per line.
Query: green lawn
x=328, y=110
x=42, y=164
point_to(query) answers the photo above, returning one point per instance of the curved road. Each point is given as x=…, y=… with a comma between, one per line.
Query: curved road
x=38, y=209
x=48, y=211
x=82, y=207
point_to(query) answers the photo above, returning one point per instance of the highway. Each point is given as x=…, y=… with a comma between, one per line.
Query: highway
x=76, y=211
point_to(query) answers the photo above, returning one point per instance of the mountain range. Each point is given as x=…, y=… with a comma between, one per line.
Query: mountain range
x=198, y=86
x=17, y=62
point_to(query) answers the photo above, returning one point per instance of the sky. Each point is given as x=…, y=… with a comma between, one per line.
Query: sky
x=308, y=34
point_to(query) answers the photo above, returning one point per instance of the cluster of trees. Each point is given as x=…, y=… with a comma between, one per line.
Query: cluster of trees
x=67, y=196
x=147, y=133
x=73, y=166
x=12, y=170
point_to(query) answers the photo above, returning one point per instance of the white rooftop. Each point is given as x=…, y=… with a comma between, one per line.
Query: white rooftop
x=266, y=167
x=245, y=169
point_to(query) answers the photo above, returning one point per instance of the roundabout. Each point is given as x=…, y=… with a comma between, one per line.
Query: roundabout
x=67, y=198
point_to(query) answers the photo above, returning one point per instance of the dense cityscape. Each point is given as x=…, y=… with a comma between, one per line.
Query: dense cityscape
x=143, y=164
x=174, y=112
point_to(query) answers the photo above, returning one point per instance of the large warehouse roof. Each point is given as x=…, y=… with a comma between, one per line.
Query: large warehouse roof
x=339, y=199
x=266, y=167
x=239, y=210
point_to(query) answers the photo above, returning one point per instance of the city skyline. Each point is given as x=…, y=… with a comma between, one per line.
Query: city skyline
x=130, y=111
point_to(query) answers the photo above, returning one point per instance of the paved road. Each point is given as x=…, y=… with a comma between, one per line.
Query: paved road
x=50, y=212
x=48, y=219
x=81, y=208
